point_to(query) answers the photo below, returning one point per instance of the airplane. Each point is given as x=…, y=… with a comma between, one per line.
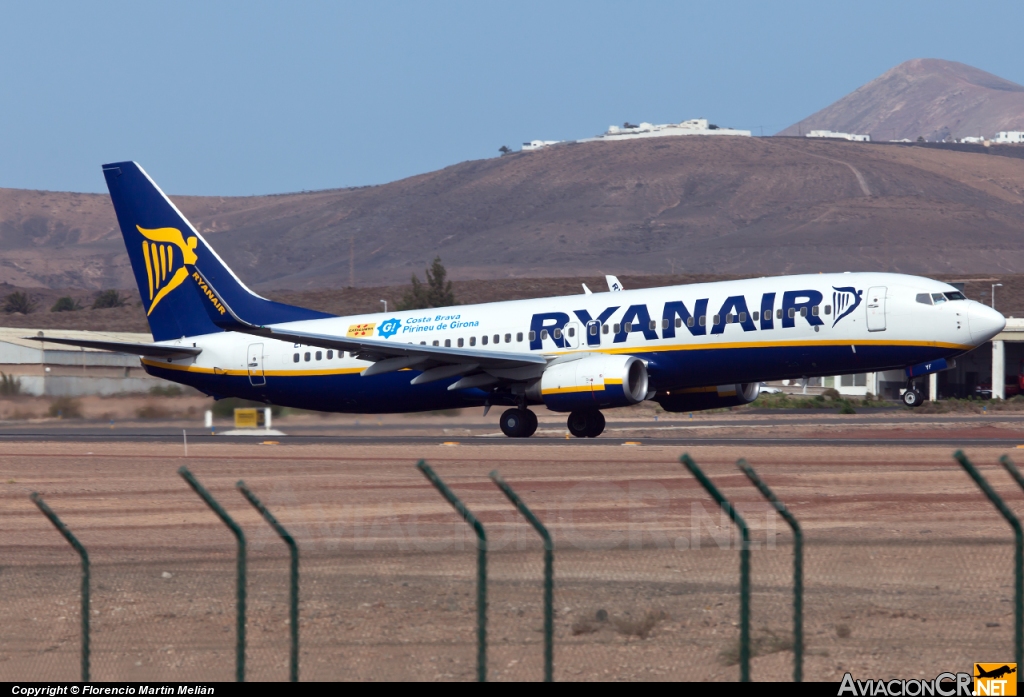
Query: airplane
x=686, y=348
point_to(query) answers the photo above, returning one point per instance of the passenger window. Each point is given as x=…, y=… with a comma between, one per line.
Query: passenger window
x=461, y=342
x=497, y=338
x=295, y=358
x=814, y=310
x=653, y=325
x=436, y=343
x=330, y=354
x=447, y=343
x=803, y=311
x=679, y=322
x=572, y=332
x=743, y=317
x=828, y=309
x=628, y=327
x=778, y=313
x=423, y=343
x=767, y=315
x=508, y=338
x=792, y=312
x=938, y=298
x=728, y=319
x=615, y=327
x=664, y=324
x=703, y=320
x=319, y=355
x=483, y=340
x=519, y=336
x=307, y=356
x=604, y=328
x=533, y=336
x=716, y=319
x=472, y=341
x=556, y=333
x=593, y=330
x=689, y=322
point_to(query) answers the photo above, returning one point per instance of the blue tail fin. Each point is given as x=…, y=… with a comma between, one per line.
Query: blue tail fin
x=162, y=245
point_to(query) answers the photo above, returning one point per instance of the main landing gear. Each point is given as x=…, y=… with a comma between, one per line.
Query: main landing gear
x=518, y=423
x=586, y=424
x=912, y=398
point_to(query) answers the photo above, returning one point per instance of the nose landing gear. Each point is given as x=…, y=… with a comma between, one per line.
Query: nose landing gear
x=586, y=424
x=518, y=423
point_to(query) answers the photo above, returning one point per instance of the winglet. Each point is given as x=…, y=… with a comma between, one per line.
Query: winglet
x=613, y=284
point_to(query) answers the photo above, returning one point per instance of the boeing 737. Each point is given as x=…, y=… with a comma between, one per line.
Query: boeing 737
x=687, y=347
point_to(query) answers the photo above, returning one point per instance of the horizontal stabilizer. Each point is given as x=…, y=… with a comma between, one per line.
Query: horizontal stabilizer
x=154, y=350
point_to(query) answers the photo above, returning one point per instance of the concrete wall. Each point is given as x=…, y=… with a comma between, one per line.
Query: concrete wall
x=76, y=386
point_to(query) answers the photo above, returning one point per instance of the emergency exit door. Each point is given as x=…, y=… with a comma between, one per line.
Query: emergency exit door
x=876, y=309
x=254, y=364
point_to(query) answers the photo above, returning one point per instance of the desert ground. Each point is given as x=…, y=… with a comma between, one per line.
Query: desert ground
x=908, y=568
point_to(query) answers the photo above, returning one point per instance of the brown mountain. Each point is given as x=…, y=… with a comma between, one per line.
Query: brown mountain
x=696, y=205
x=925, y=97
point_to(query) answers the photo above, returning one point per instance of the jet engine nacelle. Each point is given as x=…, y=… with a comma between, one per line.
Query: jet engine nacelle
x=594, y=382
x=700, y=398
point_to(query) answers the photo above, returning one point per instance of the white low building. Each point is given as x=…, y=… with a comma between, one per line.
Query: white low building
x=1009, y=137
x=54, y=370
x=538, y=144
x=862, y=138
x=693, y=127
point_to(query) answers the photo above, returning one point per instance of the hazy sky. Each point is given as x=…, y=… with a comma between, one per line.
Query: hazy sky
x=241, y=98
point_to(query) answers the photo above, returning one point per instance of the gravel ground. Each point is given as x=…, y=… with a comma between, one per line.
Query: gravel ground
x=908, y=568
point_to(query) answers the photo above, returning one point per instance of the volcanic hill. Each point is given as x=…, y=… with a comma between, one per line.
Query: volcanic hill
x=925, y=97
x=693, y=205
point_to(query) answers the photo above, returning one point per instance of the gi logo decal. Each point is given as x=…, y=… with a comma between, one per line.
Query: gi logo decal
x=388, y=328
x=845, y=300
x=158, y=251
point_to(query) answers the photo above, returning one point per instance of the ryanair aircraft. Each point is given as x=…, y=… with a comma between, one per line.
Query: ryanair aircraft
x=686, y=347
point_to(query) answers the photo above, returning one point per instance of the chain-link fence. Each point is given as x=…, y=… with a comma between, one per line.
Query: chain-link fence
x=646, y=588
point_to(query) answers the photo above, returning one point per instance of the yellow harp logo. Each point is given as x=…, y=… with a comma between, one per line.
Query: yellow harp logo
x=158, y=251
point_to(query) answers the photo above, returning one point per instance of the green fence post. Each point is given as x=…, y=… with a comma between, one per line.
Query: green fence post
x=293, y=577
x=798, y=567
x=78, y=547
x=1019, y=571
x=240, y=583
x=1018, y=556
x=481, y=566
x=744, y=562
x=549, y=573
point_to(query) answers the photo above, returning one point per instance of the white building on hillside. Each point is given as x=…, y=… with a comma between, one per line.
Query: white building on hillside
x=693, y=127
x=1012, y=137
x=843, y=136
x=538, y=144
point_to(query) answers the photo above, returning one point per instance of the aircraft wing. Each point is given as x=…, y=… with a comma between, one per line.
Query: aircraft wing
x=436, y=362
x=155, y=350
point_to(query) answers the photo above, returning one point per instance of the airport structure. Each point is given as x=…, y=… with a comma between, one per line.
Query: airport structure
x=62, y=371
x=1009, y=138
x=628, y=131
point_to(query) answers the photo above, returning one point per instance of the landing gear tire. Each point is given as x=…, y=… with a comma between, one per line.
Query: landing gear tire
x=518, y=423
x=586, y=424
x=912, y=398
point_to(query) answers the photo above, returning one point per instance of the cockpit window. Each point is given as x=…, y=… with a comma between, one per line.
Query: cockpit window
x=955, y=295
x=924, y=298
x=938, y=298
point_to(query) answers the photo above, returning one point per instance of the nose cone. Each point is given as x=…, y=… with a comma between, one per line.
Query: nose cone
x=984, y=322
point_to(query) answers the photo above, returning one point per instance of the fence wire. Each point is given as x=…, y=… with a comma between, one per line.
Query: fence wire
x=646, y=588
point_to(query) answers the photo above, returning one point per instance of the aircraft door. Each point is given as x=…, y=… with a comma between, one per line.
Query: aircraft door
x=876, y=309
x=254, y=364
x=571, y=335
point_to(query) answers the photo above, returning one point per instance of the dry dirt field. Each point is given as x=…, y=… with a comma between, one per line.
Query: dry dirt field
x=908, y=568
